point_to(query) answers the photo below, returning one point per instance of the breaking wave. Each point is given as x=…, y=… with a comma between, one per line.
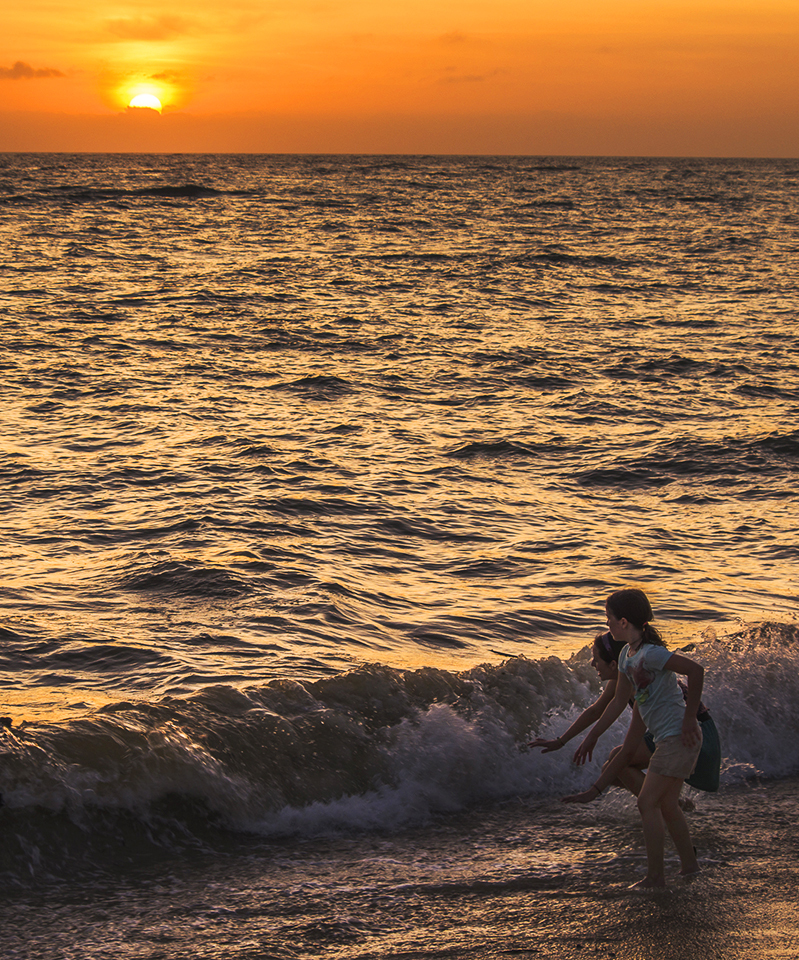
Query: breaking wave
x=373, y=749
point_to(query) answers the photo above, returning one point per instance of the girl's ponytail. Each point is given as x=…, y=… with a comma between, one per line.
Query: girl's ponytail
x=650, y=634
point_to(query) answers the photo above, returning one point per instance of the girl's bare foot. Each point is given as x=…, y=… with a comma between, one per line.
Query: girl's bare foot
x=691, y=867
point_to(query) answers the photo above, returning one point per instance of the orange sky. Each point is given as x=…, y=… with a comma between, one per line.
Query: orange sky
x=620, y=77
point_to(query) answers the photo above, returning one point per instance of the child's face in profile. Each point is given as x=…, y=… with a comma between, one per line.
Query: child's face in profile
x=616, y=627
x=606, y=671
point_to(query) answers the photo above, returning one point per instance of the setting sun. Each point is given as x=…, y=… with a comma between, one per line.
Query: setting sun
x=146, y=100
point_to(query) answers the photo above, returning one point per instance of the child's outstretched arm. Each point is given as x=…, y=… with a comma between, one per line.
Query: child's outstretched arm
x=587, y=717
x=624, y=690
x=695, y=674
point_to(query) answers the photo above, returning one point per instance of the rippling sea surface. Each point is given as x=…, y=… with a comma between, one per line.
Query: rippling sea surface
x=315, y=474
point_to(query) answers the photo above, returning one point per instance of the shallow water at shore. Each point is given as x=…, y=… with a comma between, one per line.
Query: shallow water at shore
x=523, y=878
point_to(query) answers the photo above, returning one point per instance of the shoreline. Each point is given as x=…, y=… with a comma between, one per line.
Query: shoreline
x=526, y=879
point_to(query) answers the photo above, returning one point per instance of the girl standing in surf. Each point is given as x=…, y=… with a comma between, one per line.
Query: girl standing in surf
x=647, y=673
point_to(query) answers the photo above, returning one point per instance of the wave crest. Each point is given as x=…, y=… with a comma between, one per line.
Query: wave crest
x=374, y=748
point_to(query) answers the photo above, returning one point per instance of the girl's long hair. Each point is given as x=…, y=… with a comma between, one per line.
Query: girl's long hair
x=634, y=606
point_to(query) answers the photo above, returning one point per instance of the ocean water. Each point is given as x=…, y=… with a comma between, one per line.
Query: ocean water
x=315, y=474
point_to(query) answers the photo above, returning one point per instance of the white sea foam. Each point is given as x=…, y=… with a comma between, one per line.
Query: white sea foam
x=385, y=748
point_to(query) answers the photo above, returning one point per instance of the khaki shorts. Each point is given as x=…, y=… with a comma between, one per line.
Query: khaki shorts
x=672, y=759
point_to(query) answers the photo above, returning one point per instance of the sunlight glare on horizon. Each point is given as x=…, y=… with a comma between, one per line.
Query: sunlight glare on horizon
x=147, y=101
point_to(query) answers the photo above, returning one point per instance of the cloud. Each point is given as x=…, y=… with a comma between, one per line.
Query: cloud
x=472, y=77
x=24, y=71
x=159, y=28
x=455, y=38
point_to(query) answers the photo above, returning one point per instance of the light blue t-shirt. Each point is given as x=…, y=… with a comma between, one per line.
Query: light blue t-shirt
x=657, y=693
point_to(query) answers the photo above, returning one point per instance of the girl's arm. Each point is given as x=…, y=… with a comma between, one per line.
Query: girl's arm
x=624, y=690
x=695, y=674
x=635, y=734
x=587, y=717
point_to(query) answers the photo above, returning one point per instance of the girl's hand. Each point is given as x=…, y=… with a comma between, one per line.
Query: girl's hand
x=691, y=732
x=585, y=751
x=548, y=745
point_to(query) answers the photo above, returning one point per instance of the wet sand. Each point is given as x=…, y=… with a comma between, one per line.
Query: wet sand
x=745, y=903
x=525, y=879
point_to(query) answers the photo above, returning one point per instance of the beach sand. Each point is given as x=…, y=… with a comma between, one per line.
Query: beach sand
x=523, y=879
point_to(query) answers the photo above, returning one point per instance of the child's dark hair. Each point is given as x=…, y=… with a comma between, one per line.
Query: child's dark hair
x=608, y=648
x=633, y=605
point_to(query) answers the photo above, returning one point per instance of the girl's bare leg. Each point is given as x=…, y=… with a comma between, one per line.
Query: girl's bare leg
x=678, y=828
x=659, y=792
x=632, y=776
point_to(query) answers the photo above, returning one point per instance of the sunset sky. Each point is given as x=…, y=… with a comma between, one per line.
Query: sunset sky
x=617, y=77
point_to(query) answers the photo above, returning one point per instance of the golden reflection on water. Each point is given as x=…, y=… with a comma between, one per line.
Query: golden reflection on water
x=49, y=704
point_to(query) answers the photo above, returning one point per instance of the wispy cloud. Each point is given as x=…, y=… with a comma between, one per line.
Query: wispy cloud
x=455, y=38
x=471, y=77
x=156, y=28
x=24, y=71
x=168, y=76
